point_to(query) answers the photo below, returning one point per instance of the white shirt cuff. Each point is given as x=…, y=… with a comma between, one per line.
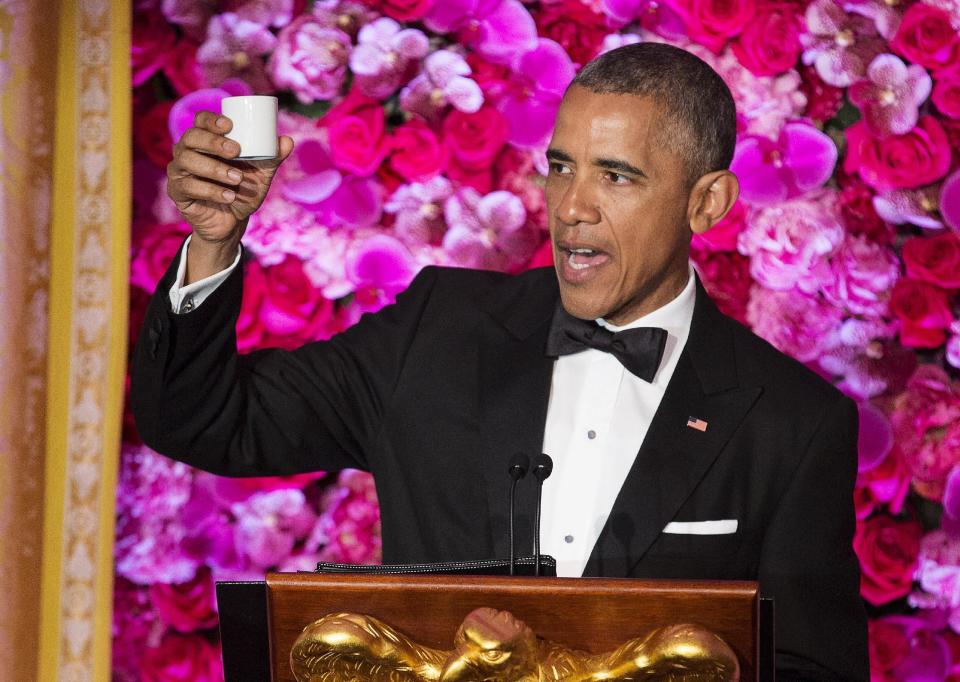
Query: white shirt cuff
x=184, y=299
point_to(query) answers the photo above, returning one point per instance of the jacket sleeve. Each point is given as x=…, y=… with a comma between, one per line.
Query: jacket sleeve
x=808, y=564
x=272, y=412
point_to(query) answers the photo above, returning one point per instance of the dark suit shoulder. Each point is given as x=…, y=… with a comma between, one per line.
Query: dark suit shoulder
x=760, y=363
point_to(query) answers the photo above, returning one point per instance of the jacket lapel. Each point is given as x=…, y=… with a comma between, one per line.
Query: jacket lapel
x=515, y=377
x=674, y=457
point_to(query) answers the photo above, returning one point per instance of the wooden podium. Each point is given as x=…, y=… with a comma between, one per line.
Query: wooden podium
x=260, y=621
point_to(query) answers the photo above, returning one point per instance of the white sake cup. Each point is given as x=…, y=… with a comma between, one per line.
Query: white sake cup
x=254, y=125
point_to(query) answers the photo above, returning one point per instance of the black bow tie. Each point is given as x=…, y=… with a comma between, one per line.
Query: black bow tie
x=639, y=349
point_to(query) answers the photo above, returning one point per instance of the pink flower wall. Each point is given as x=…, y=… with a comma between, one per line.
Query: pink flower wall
x=420, y=129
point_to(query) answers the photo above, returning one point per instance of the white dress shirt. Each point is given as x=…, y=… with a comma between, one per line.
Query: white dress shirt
x=597, y=418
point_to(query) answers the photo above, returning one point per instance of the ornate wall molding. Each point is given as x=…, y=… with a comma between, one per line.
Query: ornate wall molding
x=88, y=333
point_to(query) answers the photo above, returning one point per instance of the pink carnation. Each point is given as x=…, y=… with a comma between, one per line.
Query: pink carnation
x=926, y=423
x=789, y=243
x=151, y=493
x=350, y=524
x=863, y=275
x=795, y=323
x=310, y=59
x=269, y=524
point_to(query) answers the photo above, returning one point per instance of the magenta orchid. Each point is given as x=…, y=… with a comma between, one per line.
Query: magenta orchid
x=379, y=269
x=185, y=109
x=655, y=16
x=950, y=201
x=235, y=48
x=337, y=198
x=487, y=231
x=384, y=55
x=443, y=81
x=533, y=95
x=801, y=160
x=891, y=96
x=419, y=209
x=839, y=44
x=909, y=207
x=496, y=29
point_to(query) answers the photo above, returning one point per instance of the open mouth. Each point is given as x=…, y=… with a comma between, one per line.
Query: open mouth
x=582, y=258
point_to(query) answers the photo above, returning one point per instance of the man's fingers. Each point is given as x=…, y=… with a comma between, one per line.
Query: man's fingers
x=191, y=188
x=213, y=122
x=189, y=162
x=209, y=143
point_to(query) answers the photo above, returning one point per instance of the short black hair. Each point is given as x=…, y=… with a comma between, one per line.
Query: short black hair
x=697, y=107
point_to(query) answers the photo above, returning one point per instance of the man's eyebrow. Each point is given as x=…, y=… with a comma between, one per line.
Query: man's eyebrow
x=620, y=166
x=559, y=155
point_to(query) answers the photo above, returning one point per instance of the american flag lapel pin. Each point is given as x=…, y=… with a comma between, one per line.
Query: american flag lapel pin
x=695, y=423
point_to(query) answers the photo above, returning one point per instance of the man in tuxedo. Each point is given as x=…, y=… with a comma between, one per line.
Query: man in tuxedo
x=684, y=446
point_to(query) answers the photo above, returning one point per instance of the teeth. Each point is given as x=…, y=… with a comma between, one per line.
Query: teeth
x=576, y=266
x=583, y=251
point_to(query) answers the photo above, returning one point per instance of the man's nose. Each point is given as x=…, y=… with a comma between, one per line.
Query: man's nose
x=577, y=205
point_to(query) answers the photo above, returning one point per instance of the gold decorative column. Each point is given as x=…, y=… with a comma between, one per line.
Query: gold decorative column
x=87, y=335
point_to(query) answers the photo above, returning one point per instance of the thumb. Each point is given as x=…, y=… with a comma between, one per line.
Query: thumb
x=285, y=148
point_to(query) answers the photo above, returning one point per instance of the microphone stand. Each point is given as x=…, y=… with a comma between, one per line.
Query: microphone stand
x=518, y=469
x=542, y=468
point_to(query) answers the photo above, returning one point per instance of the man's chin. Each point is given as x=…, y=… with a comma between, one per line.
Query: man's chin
x=580, y=306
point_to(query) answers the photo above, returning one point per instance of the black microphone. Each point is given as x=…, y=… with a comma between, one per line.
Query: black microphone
x=518, y=469
x=542, y=468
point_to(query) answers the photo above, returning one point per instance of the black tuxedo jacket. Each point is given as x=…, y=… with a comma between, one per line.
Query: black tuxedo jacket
x=435, y=394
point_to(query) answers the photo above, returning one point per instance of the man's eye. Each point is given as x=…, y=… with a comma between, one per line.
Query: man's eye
x=559, y=168
x=617, y=178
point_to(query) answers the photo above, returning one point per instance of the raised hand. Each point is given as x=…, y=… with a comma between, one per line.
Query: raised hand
x=215, y=192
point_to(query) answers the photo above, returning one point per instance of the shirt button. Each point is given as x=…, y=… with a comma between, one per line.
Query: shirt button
x=187, y=305
x=568, y=539
x=591, y=434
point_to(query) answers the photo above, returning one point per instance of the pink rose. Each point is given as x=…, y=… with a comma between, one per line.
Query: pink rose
x=152, y=134
x=152, y=40
x=713, y=22
x=946, y=92
x=154, y=247
x=577, y=27
x=183, y=70
x=859, y=214
x=934, y=259
x=889, y=647
x=920, y=157
x=926, y=37
x=474, y=140
x=923, y=311
x=358, y=143
x=417, y=154
x=188, y=606
x=888, y=551
x=908, y=648
x=726, y=277
x=182, y=658
x=281, y=308
x=723, y=235
x=770, y=43
x=888, y=484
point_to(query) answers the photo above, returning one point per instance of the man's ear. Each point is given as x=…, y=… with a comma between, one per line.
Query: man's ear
x=711, y=198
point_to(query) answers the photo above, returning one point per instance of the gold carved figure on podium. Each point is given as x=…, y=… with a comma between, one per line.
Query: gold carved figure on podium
x=494, y=645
